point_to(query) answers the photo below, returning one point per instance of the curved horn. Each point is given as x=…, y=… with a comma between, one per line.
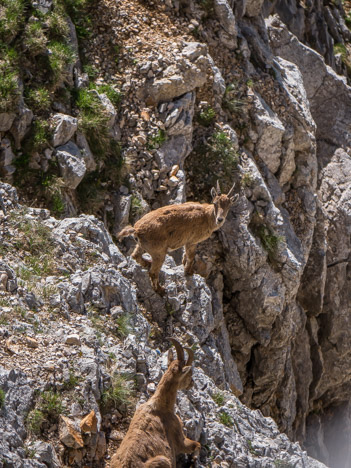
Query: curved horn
x=179, y=349
x=190, y=356
x=218, y=188
x=230, y=191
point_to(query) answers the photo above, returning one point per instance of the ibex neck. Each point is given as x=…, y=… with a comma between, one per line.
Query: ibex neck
x=166, y=394
x=212, y=217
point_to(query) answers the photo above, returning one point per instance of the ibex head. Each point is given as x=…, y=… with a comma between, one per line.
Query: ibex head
x=222, y=203
x=181, y=370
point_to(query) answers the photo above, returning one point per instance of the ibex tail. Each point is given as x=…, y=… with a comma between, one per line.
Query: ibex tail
x=127, y=231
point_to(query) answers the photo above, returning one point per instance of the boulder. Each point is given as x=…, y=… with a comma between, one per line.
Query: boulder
x=71, y=163
x=65, y=128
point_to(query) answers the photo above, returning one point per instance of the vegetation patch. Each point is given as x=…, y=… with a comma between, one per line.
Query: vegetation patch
x=206, y=116
x=215, y=160
x=119, y=394
x=93, y=120
x=136, y=208
x=9, y=78
x=38, y=99
x=47, y=410
x=2, y=397
x=345, y=54
x=226, y=419
x=157, y=140
x=12, y=13
x=218, y=398
x=60, y=56
x=232, y=100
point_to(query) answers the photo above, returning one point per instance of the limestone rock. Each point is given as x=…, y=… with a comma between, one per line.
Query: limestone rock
x=71, y=163
x=45, y=452
x=65, y=128
x=89, y=423
x=270, y=133
x=188, y=73
x=72, y=340
x=69, y=435
x=6, y=120
x=21, y=124
x=226, y=16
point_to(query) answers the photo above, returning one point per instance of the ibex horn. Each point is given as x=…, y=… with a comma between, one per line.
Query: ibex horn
x=190, y=356
x=231, y=190
x=179, y=349
x=218, y=188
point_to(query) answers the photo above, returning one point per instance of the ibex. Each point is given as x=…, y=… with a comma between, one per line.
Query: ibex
x=170, y=227
x=155, y=436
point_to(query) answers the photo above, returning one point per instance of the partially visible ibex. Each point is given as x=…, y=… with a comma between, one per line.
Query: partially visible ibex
x=170, y=227
x=155, y=436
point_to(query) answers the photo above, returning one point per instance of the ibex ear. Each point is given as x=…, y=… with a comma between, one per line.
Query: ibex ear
x=213, y=193
x=170, y=356
x=234, y=198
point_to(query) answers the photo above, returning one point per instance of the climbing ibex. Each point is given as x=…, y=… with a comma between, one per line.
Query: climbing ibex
x=155, y=436
x=170, y=227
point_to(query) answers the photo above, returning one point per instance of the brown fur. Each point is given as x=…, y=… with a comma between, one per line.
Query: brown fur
x=155, y=436
x=170, y=227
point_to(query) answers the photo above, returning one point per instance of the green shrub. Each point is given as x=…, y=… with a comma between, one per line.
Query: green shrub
x=38, y=99
x=51, y=404
x=269, y=239
x=120, y=392
x=226, y=419
x=35, y=40
x=9, y=79
x=57, y=24
x=218, y=398
x=34, y=421
x=207, y=116
x=72, y=381
x=60, y=57
x=93, y=120
x=2, y=398
x=78, y=10
x=157, y=140
x=231, y=100
x=123, y=325
x=41, y=134
x=136, y=208
x=12, y=14
x=113, y=94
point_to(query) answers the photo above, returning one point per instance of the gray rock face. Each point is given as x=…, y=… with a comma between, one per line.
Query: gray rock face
x=21, y=124
x=6, y=120
x=19, y=396
x=65, y=128
x=328, y=93
x=270, y=133
x=186, y=74
x=71, y=163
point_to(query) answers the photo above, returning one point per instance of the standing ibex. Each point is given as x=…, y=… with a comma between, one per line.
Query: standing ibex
x=170, y=227
x=155, y=436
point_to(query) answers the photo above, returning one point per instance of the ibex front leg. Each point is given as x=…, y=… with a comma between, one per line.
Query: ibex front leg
x=157, y=261
x=188, y=258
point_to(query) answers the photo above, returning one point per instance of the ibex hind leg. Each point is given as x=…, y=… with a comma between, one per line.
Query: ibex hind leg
x=159, y=462
x=138, y=257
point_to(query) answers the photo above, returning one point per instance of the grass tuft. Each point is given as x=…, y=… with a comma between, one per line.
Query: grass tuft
x=9, y=79
x=2, y=397
x=226, y=419
x=120, y=393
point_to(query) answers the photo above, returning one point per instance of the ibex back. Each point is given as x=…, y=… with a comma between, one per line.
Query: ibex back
x=170, y=227
x=155, y=436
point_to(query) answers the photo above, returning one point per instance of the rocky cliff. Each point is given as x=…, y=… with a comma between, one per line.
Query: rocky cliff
x=111, y=109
